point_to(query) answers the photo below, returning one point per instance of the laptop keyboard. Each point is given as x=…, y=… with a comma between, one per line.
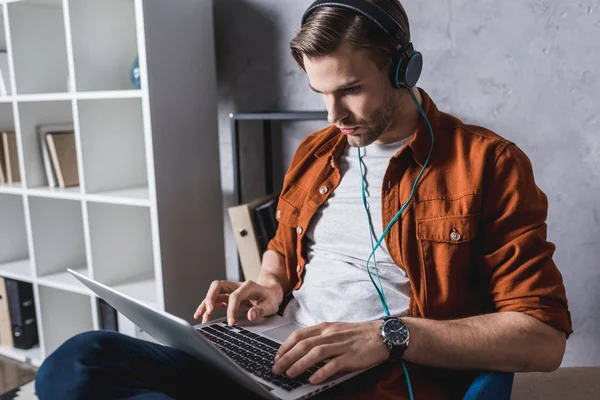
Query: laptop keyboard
x=253, y=352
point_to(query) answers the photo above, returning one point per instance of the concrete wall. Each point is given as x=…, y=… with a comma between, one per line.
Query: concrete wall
x=529, y=70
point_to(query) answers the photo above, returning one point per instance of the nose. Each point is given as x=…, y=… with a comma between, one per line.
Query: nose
x=336, y=111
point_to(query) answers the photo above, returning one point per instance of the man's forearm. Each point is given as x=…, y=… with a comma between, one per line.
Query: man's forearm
x=503, y=341
x=272, y=272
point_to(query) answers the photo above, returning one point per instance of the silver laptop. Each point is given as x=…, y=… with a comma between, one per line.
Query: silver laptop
x=244, y=352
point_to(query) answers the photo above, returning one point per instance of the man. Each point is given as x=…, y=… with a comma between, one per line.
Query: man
x=395, y=210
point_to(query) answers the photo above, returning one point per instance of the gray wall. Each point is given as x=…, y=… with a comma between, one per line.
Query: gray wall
x=529, y=70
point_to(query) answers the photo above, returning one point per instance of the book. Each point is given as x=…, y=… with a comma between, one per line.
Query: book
x=63, y=153
x=252, y=228
x=42, y=130
x=6, y=339
x=2, y=168
x=11, y=157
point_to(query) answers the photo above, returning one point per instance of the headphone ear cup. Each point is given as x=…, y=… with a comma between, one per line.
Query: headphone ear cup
x=405, y=71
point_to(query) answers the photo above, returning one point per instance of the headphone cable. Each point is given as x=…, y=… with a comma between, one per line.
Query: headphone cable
x=379, y=289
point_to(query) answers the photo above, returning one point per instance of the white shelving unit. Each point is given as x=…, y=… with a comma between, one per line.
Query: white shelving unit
x=147, y=215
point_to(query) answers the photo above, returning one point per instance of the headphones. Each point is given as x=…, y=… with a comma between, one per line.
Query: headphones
x=407, y=63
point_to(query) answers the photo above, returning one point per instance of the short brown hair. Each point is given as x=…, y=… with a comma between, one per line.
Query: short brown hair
x=329, y=26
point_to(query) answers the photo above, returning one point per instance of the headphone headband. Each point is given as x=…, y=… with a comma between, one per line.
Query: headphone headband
x=369, y=10
x=407, y=63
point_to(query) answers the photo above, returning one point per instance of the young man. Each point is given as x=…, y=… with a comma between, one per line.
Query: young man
x=398, y=221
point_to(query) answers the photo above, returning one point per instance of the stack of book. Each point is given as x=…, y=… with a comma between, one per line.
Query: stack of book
x=254, y=225
x=18, y=324
x=9, y=158
x=57, y=142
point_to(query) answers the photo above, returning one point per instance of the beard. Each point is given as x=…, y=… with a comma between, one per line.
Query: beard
x=375, y=124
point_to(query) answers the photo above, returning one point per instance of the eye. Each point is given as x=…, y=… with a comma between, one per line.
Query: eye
x=351, y=90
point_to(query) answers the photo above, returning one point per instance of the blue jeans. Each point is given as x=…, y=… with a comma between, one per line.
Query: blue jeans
x=107, y=365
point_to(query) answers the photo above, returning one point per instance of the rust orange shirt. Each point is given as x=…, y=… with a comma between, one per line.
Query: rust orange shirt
x=472, y=240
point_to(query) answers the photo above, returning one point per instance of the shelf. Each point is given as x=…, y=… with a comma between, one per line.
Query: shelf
x=115, y=43
x=31, y=356
x=70, y=193
x=19, y=270
x=94, y=95
x=58, y=236
x=135, y=196
x=33, y=115
x=38, y=46
x=109, y=94
x=37, y=97
x=11, y=188
x=64, y=314
x=112, y=141
x=65, y=281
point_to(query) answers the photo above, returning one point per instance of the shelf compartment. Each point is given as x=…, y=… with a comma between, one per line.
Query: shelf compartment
x=108, y=27
x=58, y=236
x=13, y=236
x=32, y=115
x=121, y=246
x=113, y=147
x=37, y=32
x=65, y=281
x=64, y=314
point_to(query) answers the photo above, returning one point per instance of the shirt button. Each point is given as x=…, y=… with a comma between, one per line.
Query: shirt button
x=299, y=230
x=278, y=214
x=323, y=189
x=455, y=236
x=298, y=268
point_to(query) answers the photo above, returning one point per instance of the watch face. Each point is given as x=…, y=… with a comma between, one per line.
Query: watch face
x=395, y=331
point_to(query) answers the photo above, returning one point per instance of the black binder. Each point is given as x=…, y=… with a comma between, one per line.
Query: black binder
x=266, y=223
x=21, y=306
x=107, y=316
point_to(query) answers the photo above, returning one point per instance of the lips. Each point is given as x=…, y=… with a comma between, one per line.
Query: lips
x=348, y=131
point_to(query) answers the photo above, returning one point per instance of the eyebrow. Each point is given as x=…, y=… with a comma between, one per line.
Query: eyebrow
x=345, y=86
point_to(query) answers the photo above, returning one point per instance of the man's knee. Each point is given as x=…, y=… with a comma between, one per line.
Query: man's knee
x=63, y=373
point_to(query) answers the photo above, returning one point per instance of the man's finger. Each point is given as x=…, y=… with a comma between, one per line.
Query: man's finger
x=243, y=293
x=297, y=336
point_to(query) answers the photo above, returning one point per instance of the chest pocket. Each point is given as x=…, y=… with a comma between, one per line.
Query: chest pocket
x=447, y=251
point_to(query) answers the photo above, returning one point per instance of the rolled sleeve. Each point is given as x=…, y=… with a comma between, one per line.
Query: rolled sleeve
x=516, y=253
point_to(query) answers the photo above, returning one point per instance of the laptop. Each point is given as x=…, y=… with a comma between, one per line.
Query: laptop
x=244, y=352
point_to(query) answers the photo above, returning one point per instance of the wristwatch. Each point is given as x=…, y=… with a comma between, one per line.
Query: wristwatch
x=395, y=335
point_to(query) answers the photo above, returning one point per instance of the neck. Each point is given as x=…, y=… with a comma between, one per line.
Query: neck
x=405, y=120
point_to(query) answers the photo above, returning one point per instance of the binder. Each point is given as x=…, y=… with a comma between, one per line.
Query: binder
x=42, y=130
x=108, y=316
x=21, y=306
x=253, y=228
x=5, y=325
x=11, y=157
x=63, y=153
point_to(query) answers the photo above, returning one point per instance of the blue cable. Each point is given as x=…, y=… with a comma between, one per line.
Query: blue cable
x=389, y=226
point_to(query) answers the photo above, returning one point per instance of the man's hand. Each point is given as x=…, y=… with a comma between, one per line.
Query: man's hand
x=259, y=300
x=347, y=346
